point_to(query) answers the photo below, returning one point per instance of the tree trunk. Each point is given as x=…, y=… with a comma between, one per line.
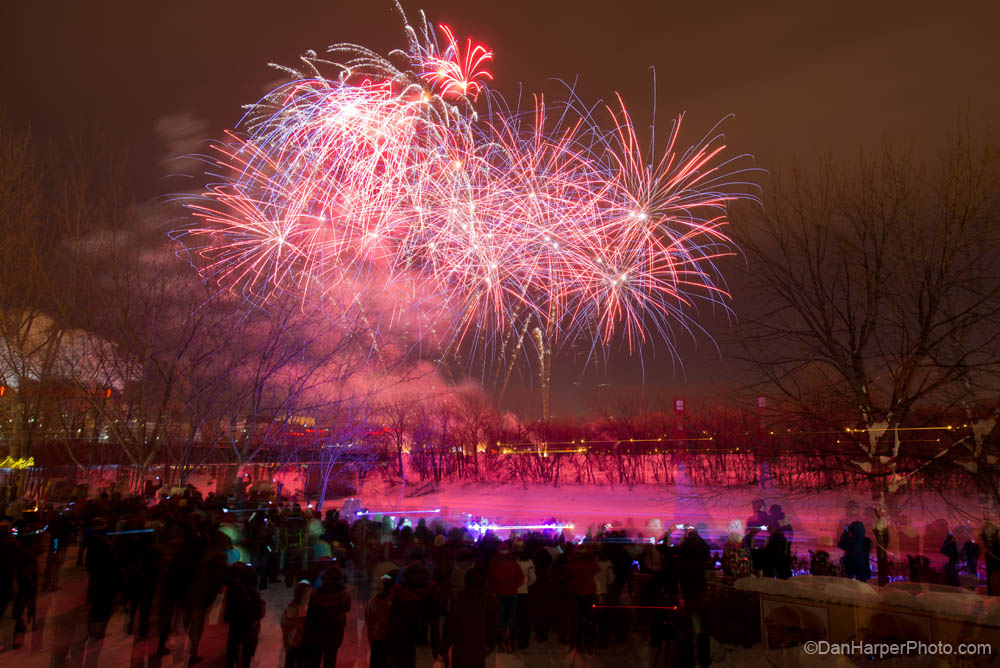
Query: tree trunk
x=322, y=494
x=881, y=556
x=881, y=533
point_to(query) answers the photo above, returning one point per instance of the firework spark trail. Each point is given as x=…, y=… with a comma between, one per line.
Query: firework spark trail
x=455, y=73
x=381, y=172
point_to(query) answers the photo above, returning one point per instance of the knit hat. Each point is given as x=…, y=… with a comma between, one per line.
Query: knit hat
x=736, y=531
x=333, y=576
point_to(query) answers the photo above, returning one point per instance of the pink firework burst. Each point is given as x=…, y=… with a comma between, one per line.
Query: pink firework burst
x=457, y=72
x=544, y=218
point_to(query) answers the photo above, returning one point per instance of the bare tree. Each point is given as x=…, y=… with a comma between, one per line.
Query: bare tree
x=879, y=293
x=47, y=203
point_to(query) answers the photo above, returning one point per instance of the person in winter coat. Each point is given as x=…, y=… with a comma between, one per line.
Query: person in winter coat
x=377, y=622
x=857, y=549
x=383, y=565
x=581, y=569
x=293, y=624
x=9, y=557
x=61, y=529
x=465, y=561
x=603, y=581
x=950, y=549
x=326, y=619
x=18, y=563
x=605, y=576
x=777, y=555
x=662, y=595
x=736, y=561
x=211, y=575
x=524, y=611
x=413, y=608
x=991, y=551
x=693, y=559
x=141, y=578
x=505, y=577
x=819, y=563
x=543, y=593
x=175, y=575
x=103, y=579
x=970, y=555
x=244, y=610
x=470, y=627
x=259, y=538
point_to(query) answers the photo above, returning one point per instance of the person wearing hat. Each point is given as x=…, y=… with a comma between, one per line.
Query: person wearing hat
x=293, y=622
x=326, y=619
x=103, y=578
x=412, y=613
x=9, y=558
x=505, y=577
x=470, y=627
x=244, y=610
x=991, y=547
x=580, y=569
x=377, y=621
x=465, y=561
x=524, y=611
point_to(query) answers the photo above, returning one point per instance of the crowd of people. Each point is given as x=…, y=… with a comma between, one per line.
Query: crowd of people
x=461, y=593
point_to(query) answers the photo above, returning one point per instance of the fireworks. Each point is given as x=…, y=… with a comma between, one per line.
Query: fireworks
x=371, y=169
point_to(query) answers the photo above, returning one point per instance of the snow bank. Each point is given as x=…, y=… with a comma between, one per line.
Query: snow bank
x=970, y=607
x=957, y=604
x=813, y=588
x=817, y=516
x=937, y=599
x=791, y=657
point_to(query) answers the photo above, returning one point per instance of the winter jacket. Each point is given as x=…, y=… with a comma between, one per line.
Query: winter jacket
x=470, y=627
x=326, y=617
x=209, y=581
x=411, y=615
x=505, y=576
x=605, y=577
x=10, y=551
x=528, y=568
x=581, y=569
x=293, y=623
x=777, y=557
x=693, y=558
x=377, y=618
x=857, y=549
x=457, y=578
x=244, y=606
x=736, y=560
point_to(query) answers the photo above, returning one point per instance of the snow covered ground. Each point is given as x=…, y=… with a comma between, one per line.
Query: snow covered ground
x=918, y=526
x=61, y=624
x=57, y=639
x=817, y=517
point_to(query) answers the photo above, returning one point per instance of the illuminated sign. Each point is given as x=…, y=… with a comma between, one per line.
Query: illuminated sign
x=19, y=463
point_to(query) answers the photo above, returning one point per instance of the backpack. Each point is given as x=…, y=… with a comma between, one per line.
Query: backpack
x=377, y=618
x=743, y=564
x=738, y=562
x=257, y=606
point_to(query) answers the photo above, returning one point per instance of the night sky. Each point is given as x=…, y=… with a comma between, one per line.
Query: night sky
x=800, y=78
